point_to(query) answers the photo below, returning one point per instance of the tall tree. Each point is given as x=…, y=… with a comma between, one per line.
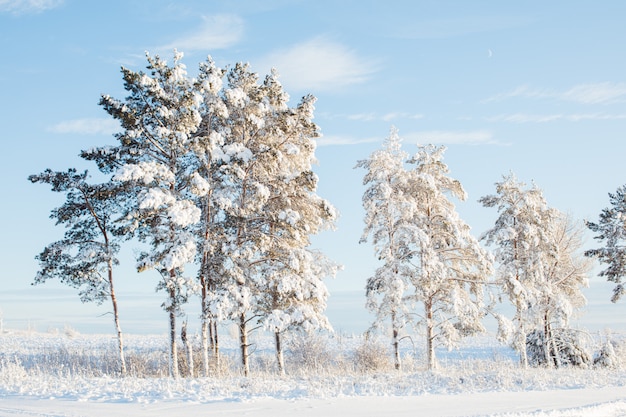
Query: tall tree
x=525, y=249
x=561, y=291
x=388, y=222
x=611, y=231
x=159, y=118
x=206, y=176
x=85, y=257
x=428, y=252
x=266, y=197
x=241, y=197
x=450, y=267
x=225, y=167
x=293, y=294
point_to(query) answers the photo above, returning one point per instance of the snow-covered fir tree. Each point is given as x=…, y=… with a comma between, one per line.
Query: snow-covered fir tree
x=159, y=118
x=610, y=230
x=429, y=256
x=85, y=257
x=539, y=267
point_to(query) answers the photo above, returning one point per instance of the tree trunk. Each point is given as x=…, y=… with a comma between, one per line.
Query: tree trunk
x=395, y=341
x=204, y=335
x=280, y=360
x=173, y=348
x=553, y=346
x=116, y=318
x=430, y=337
x=188, y=349
x=215, y=346
x=521, y=339
x=204, y=327
x=243, y=341
x=547, y=342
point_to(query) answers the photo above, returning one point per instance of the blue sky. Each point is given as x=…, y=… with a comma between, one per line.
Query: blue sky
x=534, y=87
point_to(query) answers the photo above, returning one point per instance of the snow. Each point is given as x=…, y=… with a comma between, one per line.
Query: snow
x=145, y=172
x=580, y=403
x=39, y=378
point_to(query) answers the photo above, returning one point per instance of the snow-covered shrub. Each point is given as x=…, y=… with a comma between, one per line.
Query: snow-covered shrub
x=567, y=348
x=311, y=352
x=606, y=356
x=372, y=355
x=612, y=353
x=142, y=365
x=70, y=332
x=12, y=371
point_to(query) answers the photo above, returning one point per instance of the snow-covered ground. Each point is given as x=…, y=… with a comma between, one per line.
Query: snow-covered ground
x=603, y=402
x=69, y=374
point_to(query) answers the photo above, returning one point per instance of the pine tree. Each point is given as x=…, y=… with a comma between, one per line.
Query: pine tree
x=388, y=222
x=450, y=267
x=221, y=175
x=428, y=253
x=266, y=196
x=159, y=118
x=293, y=294
x=207, y=178
x=611, y=231
x=85, y=257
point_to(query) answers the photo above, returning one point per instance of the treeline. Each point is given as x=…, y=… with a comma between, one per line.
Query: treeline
x=215, y=171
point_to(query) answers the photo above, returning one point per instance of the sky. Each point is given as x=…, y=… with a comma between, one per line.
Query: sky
x=536, y=88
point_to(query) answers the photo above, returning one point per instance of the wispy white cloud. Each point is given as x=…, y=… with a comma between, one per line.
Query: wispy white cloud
x=319, y=64
x=473, y=137
x=18, y=7
x=593, y=93
x=344, y=140
x=94, y=126
x=387, y=117
x=525, y=118
x=363, y=117
x=400, y=115
x=523, y=91
x=598, y=93
x=216, y=32
x=539, y=118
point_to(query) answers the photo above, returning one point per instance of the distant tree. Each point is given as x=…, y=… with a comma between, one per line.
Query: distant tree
x=85, y=257
x=154, y=155
x=539, y=267
x=389, y=224
x=450, y=267
x=560, y=294
x=428, y=253
x=611, y=231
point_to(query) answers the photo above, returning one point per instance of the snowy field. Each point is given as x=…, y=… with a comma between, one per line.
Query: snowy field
x=63, y=373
